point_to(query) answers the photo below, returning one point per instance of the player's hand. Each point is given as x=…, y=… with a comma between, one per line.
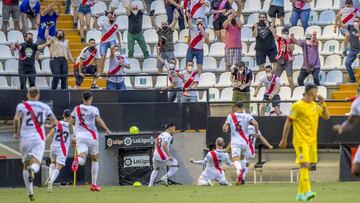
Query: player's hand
x=338, y=129
x=16, y=136
x=192, y=160
x=270, y=147
x=271, y=97
x=73, y=142
x=108, y=132
x=283, y=144
x=223, y=11
x=320, y=98
x=171, y=158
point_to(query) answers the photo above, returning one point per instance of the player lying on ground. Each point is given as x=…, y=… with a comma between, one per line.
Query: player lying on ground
x=304, y=116
x=84, y=117
x=162, y=156
x=29, y=123
x=62, y=135
x=213, y=161
x=347, y=126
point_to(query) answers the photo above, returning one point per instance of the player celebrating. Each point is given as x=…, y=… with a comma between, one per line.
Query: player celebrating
x=347, y=126
x=84, y=117
x=162, y=156
x=304, y=116
x=213, y=161
x=239, y=123
x=62, y=136
x=29, y=124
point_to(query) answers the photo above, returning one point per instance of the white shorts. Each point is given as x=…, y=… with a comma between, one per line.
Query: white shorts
x=32, y=149
x=357, y=156
x=161, y=163
x=87, y=145
x=58, y=156
x=242, y=150
x=210, y=175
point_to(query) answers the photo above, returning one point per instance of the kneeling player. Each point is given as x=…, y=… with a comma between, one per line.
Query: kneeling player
x=213, y=161
x=62, y=136
x=162, y=156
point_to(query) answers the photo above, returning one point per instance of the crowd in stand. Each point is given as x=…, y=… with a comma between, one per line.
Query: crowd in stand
x=273, y=49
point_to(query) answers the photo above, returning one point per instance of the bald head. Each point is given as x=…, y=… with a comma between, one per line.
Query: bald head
x=33, y=93
x=219, y=143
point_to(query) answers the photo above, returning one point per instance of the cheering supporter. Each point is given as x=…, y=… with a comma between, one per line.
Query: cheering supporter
x=197, y=9
x=311, y=63
x=174, y=78
x=84, y=11
x=59, y=55
x=285, y=55
x=265, y=43
x=165, y=40
x=301, y=10
x=135, y=28
x=241, y=79
x=117, y=63
x=10, y=7
x=30, y=10
x=171, y=6
x=190, y=81
x=355, y=2
x=75, y=7
x=220, y=9
x=233, y=46
x=277, y=10
x=272, y=88
x=198, y=36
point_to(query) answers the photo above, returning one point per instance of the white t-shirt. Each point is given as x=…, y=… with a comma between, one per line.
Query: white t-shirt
x=106, y=27
x=200, y=13
x=42, y=112
x=244, y=120
x=267, y=83
x=56, y=143
x=85, y=54
x=113, y=63
x=89, y=113
x=355, y=107
x=222, y=157
x=194, y=32
x=186, y=76
x=163, y=139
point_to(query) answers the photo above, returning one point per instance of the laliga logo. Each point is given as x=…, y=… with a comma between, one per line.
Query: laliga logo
x=127, y=141
x=109, y=142
x=127, y=162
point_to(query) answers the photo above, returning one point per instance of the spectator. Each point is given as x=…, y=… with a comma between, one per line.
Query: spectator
x=173, y=77
x=311, y=63
x=285, y=55
x=241, y=79
x=354, y=34
x=265, y=43
x=233, y=46
x=135, y=28
x=75, y=7
x=171, y=6
x=109, y=34
x=59, y=55
x=220, y=9
x=84, y=64
x=301, y=10
x=165, y=36
x=30, y=10
x=27, y=52
x=198, y=36
x=197, y=9
x=277, y=10
x=10, y=7
x=355, y=2
x=85, y=11
x=117, y=65
x=190, y=81
x=272, y=88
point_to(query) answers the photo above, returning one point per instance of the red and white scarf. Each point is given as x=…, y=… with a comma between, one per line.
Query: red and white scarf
x=350, y=16
x=299, y=4
x=196, y=7
x=189, y=82
x=118, y=68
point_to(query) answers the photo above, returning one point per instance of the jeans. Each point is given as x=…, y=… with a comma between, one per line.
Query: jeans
x=59, y=66
x=105, y=46
x=172, y=95
x=186, y=99
x=304, y=73
x=170, y=15
x=115, y=86
x=352, y=55
x=141, y=41
x=195, y=53
x=26, y=70
x=303, y=15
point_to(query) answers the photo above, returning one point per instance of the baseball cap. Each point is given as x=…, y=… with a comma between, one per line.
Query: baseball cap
x=308, y=36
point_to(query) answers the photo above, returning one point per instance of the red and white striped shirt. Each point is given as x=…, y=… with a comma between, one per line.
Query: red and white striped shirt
x=163, y=139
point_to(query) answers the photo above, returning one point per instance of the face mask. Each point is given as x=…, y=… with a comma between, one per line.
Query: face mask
x=60, y=37
x=165, y=27
x=269, y=75
x=241, y=70
x=29, y=41
x=117, y=54
x=135, y=12
x=171, y=66
x=190, y=68
x=233, y=22
x=285, y=36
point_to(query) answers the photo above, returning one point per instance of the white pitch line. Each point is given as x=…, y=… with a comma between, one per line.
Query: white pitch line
x=10, y=149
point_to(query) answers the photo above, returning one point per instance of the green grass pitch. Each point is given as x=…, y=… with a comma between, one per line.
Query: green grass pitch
x=264, y=193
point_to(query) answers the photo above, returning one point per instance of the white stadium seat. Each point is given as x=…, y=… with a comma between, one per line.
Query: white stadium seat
x=285, y=93
x=297, y=50
x=327, y=17
x=175, y=36
x=222, y=65
x=102, y=19
x=322, y=91
x=98, y=8
x=150, y=36
x=3, y=83
x=161, y=82
x=143, y=82
x=206, y=49
x=128, y=83
x=246, y=35
x=180, y=50
x=125, y=37
x=266, y=6
x=298, y=62
x=331, y=47
x=95, y=34
x=249, y=62
x=298, y=93
x=295, y=77
x=285, y=108
x=284, y=78
x=314, y=18
x=183, y=36
x=46, y=53
x=149, y=65
x=41, y=83
x=322, y=77
x=134, y=67
x=252, y=19
x=260, y=95
x=209, y=64
x=211, y=33
x=332, y=62
x=15, y=36
x=214, y=94
x=297, y=31
x=217, y=49
x=322, y=5
x=334, y=77
x=207, y=80
x=288, y=6
x=259, y=76
x=158, y=6
x=252, y=6
x=251, y=51
x=226, y=94
x=312, y=29
x=5, y=53
x=211, y=22
x=120, y=9
x=224, y=80
x=12, y=66
x=328, y=33
x=3, y=39
x=138, y=52
x=123, y=22
x=15, y=82
x=146, y=24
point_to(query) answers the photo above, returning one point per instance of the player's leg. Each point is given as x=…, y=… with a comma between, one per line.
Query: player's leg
x=173, y=167
x=94, y=154
x=156, y=168
x=302, y=158
x=222, y=180
x=204, y=179
x=355, y=169
x=59, y=164
x=276, y=105
x=88, y=21
x=81, y=22
x=52, y=165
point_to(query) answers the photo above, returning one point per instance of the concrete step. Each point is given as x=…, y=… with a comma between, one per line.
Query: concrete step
x=339, y=111
x=338, y=104
x=65, y=17
x=74, y=45
x=75, y=52
x=343, y=94
x=348, y=87
x=60, y=25
x=71, y=32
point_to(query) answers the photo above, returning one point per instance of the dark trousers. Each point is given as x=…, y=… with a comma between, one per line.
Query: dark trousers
x=27, y=70
x=304, y=73
x=170, y=16
x=59, y=66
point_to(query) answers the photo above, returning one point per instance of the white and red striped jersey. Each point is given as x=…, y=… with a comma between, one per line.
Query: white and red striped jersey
x=270, y=84
x=197, y=9
x=355, y=107
x=348, y=15
x=65, y=133
x=163, y=139
x=214, y=159
x=196, y=39
x=252, y=133
x=87, y=53
x=85, y=121
x=243, y=124
x=187, y=78
x=115, y=69
x=110, y=30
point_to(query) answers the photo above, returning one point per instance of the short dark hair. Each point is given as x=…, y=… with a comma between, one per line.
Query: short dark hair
x=284, y=30
x=57, y=32
x=86, y=95
x=349, y=2
x=92, y=39
x=309, y=87
x=263, y=14
x=28, y=33
x=239, y=104
x=173, y=59
x=268, y=66
x=66, y=113
x=169, y=125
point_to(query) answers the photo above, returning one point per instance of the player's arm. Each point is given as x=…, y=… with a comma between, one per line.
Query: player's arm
x=285, y=133
x=257, y=90
x=199, y=162
x=167, y=151
x=50, y=135
x=127, y=7
x=347, y=125
x=225, y=127
x=53, y=121
x=265, y=142
x=228, y=161
x=256, y=125
x=17, y=124
x=144, y=6
x=102, y=124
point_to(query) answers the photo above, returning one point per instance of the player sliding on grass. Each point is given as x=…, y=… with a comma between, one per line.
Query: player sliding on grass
x=162, y=156
x=347, y=126
x=87, y=141
x=62, y=135
x=213, y=161
x=240, y=143
x=304, y=116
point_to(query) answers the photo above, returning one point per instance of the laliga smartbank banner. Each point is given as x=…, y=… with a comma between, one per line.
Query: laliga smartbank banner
x=136, y=161
x=130, y=141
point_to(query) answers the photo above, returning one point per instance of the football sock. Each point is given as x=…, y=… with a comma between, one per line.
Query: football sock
x=94, y=172
x=26, y=180
x=172, y=171
x=153, y=176
x=243, y=165
x=54, y=175
x=51, y=169
x=35, y=167
x=305, y=179
x=81, y=161
x=237, y=165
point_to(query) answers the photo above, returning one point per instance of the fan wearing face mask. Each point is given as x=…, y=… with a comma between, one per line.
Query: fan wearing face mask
x=117, y=64
x=174, y=78
x=241, y=79
x=190, y=81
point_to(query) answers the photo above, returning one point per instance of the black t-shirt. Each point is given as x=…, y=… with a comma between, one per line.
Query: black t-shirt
x=242, y=79
x=354, y=40
x=27, y=54
x=265, y=41
x=135, y=22
x=215, y=4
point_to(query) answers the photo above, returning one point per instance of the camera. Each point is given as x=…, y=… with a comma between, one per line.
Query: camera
x=151, y=13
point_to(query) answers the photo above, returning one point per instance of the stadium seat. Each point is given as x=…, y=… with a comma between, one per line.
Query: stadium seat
x=15, y=82
x=285, y=93
x=295, y=77
x=180, y=50
x=332, y=62
x=244, y=49
x=149, y=65
x=249, y=62
x=41, y=83
x=3, y=38
x=150, y=36
x=46, y=54
x=211, y=33
x=288, y=6
x=251, y=51
x=217, y=49
x=331, y=47
x=322, y=91
x=120, y=10
x=159, y=7
x=95, y=34
x=206, y=49
x=322, y=77
x=284, y=78
x=314, y=18
x=260, y=95
x=159, y=19
x=146, y=24
x=3, y=83
x=259, y=76
x=334, y=77
x=297, y=31
x=5, y=53
x=252, y=6
x=285, y=108
x=312, y=29
x=214, y=95
x=287, y=19
x=226, y=94
x=98, y=8
x=298, y=93
x=322, y=5
x=124, y=37
x=183, y=36
x=328, y=33
x=100, y=20
x=252, y=19
x=266, y=6
x=224, y=80
x=222, y=65
x=11, y=66
x=123, y=22
x=209, y=64
x=128, y=83
x=134, y=66
x=322, y=60
x=161, y=82
x=327, y=18
x=138, y=52
x=336, y=5
x=246, y=35
x=143, y=82
x=207, y=80
x=15, y=36
x=297, y=50
x=298, y=62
